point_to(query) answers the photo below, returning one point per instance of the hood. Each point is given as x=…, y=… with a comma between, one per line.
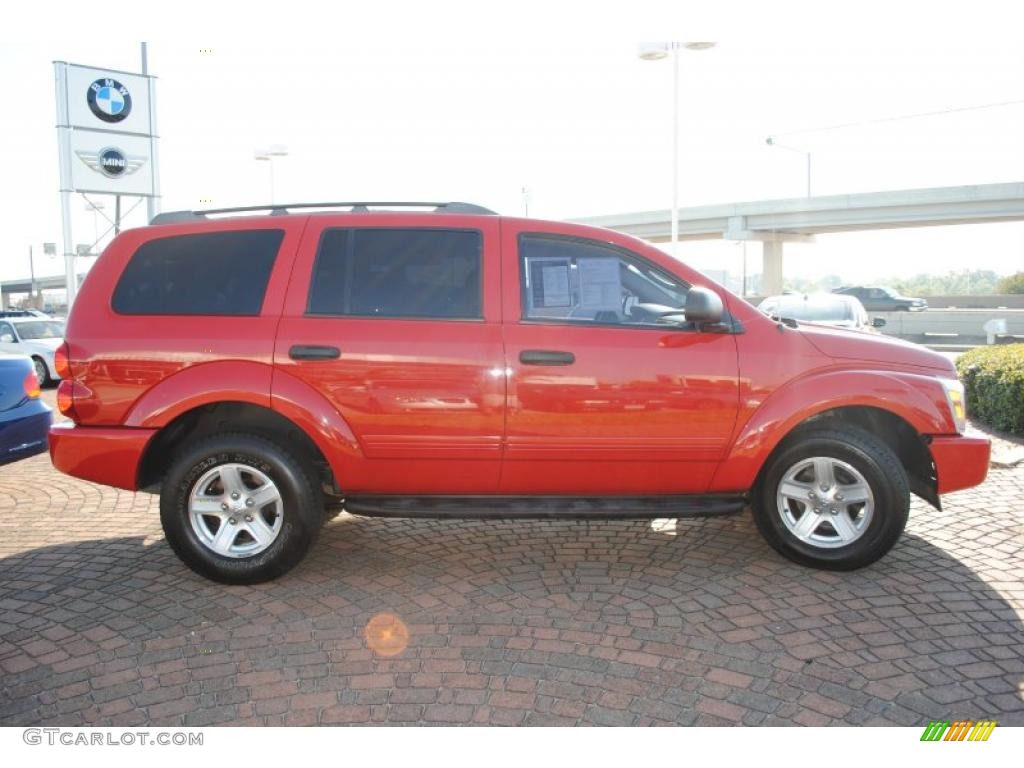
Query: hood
x=875, y=348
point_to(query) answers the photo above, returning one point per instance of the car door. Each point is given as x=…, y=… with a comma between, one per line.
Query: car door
x=396, y=321
x=878, y=300
x=603, y=397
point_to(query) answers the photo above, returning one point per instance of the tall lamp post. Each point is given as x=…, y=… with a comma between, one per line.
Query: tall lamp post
x=656, y=52
x=275, y=150
x=772, y=142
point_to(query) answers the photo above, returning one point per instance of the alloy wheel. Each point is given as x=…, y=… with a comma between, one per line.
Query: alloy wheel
x=825, y=502
x=235, y=510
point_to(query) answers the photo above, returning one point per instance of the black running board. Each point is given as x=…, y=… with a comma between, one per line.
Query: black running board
x=546, y=507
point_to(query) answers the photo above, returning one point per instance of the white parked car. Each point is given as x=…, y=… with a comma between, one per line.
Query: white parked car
x=837, y=310
x=35, y=337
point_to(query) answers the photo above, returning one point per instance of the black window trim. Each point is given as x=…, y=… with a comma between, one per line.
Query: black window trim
x=263, y=298
x=309, y=313
x=629, y=255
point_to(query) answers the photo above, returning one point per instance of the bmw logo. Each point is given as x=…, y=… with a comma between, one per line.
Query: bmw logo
x=112, y=162
x=109, y=100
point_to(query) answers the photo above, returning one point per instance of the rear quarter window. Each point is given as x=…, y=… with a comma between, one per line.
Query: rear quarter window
x=212, y=273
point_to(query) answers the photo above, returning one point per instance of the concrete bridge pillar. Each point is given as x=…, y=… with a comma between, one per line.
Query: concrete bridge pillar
x=771, y=267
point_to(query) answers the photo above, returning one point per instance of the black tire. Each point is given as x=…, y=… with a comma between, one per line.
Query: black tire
x=301, y=502
x=880, y=468
x=42, y=372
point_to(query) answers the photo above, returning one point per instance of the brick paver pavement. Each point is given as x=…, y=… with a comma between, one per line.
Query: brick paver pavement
x=505, y=623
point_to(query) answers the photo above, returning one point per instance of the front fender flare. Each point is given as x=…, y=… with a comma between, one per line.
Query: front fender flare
x=916, y=398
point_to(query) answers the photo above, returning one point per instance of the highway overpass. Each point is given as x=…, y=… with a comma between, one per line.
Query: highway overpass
x=775, y=222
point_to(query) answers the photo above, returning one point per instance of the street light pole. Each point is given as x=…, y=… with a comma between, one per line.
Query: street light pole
x=770, y=141
x=654, y=52
x=268, y=155
x=32, y=278
x=675, y=151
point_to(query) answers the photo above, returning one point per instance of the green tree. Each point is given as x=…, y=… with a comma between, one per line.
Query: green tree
x=1011, y=283
x=975, y=282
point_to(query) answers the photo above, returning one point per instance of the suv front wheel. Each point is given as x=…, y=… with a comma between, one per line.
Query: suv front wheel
x=836, y=499
x=240, y=509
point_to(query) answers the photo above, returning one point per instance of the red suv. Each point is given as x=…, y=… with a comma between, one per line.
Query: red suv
x=265, y=371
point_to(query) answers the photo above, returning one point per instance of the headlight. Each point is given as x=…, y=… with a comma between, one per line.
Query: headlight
x=954, y=390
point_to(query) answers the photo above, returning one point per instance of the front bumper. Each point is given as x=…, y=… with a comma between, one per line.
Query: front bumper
x=106, y=455
x=960, y=461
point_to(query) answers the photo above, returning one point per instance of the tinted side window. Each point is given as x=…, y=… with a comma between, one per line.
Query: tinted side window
x=398, y=273
x=215, y=273
x=582, y=281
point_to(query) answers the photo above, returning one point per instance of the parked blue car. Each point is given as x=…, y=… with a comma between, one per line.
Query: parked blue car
x=24, y=418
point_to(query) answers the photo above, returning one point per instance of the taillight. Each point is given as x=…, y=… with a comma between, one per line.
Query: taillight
x=61, y=361
x=66, y=399
x=31, y=385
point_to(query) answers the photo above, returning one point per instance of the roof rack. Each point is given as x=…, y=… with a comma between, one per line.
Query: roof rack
x=283, y=209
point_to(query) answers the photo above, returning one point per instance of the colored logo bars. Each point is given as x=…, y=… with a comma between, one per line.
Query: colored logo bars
x=959, y=730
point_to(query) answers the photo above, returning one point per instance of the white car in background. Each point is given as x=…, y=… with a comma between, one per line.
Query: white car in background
x=35, y=337
x=837, y=310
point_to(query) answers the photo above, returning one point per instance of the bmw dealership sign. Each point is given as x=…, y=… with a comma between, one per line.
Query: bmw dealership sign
x=106, y=131
x=110, y=101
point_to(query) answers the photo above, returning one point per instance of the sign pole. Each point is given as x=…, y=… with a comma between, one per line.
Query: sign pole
x=64, y=152
x=153, y=201
x=71, y=281
x=117, y=215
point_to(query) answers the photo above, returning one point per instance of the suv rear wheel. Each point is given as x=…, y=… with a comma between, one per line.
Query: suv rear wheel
x=240, y=509
x=833, y=499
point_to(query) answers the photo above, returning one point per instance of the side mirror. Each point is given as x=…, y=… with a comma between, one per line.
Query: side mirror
x=703, y=306
x=878, y=322
x=7, y=339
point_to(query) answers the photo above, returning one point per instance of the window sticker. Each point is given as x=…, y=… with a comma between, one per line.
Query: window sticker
x=600, y=284
x=555, y=283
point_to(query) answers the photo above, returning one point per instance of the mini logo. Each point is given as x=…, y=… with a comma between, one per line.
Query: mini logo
x=109, y=100
x=960, y=730
x=111, y=162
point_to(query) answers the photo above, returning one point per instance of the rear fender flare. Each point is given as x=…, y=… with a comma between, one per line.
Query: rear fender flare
x=315, y=415
x=198, y=385
x=250, y=382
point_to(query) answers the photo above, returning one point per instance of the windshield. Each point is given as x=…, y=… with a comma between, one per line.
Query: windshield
x=41, y=329
x=813, y=310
